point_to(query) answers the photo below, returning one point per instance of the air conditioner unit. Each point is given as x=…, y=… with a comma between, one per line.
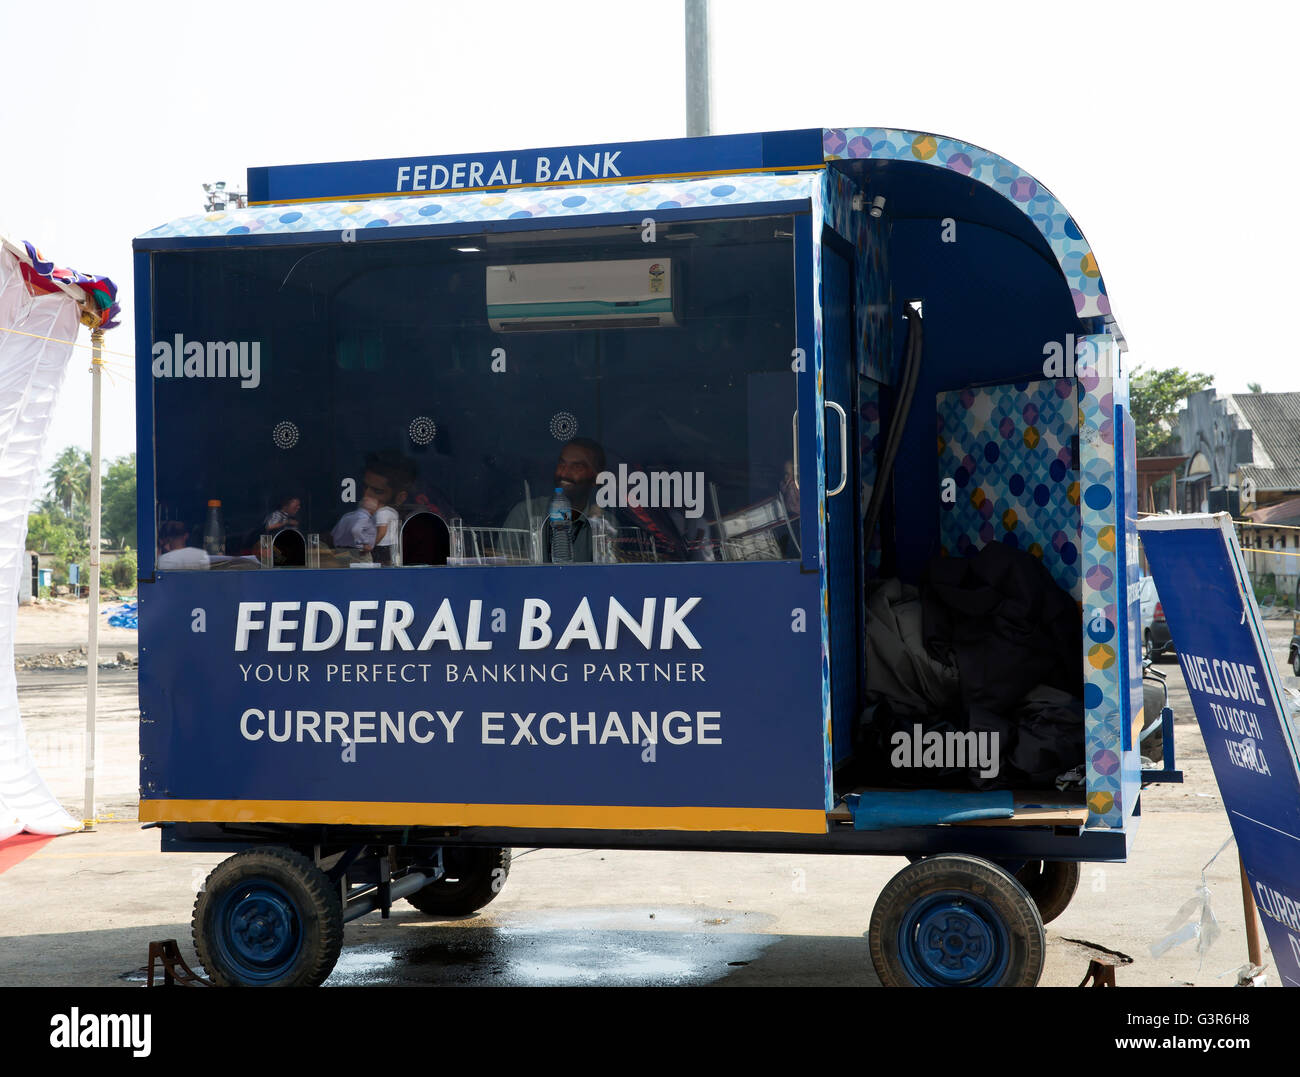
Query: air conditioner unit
x=581, y=295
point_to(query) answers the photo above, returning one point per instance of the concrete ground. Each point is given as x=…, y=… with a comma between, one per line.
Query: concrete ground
x=82, y=910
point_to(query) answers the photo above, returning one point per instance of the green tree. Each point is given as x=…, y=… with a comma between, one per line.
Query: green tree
x=1254, y=387
x=69, y=482
x=117, y=502
x=123, y=571
x=54, y=534
x=1154, y=399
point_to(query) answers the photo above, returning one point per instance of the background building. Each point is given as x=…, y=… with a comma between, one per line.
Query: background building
x=1243, y=457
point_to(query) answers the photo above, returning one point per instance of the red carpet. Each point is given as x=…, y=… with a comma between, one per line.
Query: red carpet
x=19, y=847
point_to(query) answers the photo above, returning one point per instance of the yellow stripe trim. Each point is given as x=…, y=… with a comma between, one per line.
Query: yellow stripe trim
x=612, y=181
x=515, y=816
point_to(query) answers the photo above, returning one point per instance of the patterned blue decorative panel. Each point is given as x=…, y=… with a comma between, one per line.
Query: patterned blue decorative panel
x=508, y=205
x=1133, y=573
x=1110, y=770
x=1008, y=450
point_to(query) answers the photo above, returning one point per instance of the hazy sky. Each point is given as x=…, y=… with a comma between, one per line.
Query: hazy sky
x=1167, y=130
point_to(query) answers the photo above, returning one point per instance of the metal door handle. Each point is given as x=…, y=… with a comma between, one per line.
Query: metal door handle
x=844, y=448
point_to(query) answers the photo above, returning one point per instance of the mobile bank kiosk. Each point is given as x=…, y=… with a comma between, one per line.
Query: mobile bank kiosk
x=768, y=371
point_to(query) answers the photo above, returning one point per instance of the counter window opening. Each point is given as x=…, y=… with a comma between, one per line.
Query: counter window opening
x=418, y=402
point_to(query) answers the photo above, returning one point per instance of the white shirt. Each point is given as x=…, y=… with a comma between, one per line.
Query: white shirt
x=186, y=558
x=387, y=516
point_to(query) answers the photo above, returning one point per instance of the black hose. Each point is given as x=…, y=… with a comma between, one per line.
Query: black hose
x=885, y=464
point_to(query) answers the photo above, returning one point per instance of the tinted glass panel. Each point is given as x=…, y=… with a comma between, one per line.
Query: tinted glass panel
x=417, y=401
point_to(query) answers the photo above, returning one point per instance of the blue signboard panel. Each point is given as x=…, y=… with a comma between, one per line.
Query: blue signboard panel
x=603, y=162
x=478, y=695
x=1236, y=693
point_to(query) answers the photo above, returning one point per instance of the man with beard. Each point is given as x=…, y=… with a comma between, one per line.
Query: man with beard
x=581, y=461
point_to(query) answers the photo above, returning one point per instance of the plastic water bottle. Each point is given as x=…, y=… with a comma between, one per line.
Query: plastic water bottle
x=214, y=531
x=561, y=529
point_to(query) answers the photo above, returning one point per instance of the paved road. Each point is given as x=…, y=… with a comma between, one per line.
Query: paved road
x=83, y=910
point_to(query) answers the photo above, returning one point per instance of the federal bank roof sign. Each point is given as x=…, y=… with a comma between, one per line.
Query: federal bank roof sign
x=598, y=163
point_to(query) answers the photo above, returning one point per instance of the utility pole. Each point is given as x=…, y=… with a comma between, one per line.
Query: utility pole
x=89, y=819
x=699, y=89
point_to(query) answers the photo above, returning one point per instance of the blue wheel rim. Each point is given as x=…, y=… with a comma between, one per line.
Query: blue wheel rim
x=258, y=930
x=953, y=939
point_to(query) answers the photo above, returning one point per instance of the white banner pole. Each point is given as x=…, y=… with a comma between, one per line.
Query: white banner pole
x=89, y=818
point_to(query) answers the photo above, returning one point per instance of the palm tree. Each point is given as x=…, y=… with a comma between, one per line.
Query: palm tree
x=70, y=479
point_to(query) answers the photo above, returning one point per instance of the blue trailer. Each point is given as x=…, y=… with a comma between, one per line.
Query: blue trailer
x=370, y=664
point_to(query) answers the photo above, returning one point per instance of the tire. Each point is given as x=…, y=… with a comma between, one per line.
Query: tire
x=268, y=918
x=475, y=875
x=1295, y=662
x=1051, y=883
x=1155, y=697
x=956, y=921
x=1149, y=647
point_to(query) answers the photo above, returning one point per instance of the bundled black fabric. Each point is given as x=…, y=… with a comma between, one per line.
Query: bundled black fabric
x=1017, y=640
x=883, y=719
x=1049, y=736
x=1005, y=623
x=899, y=669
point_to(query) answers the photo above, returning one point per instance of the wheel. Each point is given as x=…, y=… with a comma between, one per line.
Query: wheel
x=475, y=875
x=1295, y=662
x=956, y=921
x=268, y=918
x=1149, y=647
x=1052, y=885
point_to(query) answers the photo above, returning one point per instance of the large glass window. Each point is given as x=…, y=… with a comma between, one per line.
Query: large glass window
x=419, y=401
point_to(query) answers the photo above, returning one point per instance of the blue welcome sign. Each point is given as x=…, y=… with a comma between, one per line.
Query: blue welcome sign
x=1236, y=693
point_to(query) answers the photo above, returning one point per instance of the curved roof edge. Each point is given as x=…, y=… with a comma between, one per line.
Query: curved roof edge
x=1045, y=212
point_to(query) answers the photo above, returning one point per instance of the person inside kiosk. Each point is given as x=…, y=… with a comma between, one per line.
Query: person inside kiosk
x=427, y=346
x=177, y=554
x=286, y=515
x=581, y=463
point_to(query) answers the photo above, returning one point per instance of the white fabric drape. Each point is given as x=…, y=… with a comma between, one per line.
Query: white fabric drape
x=31, y=371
